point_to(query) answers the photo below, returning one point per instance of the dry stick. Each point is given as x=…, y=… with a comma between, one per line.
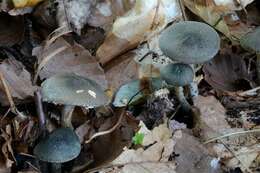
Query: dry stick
x=117, y=123
x=10, y=99
x=124, y=164
x=231, y=134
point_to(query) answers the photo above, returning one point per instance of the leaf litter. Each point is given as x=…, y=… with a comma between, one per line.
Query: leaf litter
x=115, y=43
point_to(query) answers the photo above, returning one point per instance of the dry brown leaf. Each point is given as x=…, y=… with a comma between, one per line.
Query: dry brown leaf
x=219, y=16
x=11, y=29
x=212, y=120
x=18, y=80
x=61, y=57
x=146, y=19
x=226, y=72
x=193, y=156
x=121, y=71
x=153, y=159
x=6, y=147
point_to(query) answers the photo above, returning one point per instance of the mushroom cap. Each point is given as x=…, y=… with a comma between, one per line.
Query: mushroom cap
x=130, y=91
x=60, y=146
x=251, y=41
x=71, y=89
x=177, y=74
x=190, y=42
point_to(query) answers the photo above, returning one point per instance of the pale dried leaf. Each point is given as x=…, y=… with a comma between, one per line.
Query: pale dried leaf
x=146, y=19
x=18, y=80
x=193, y=156
x=70, y=59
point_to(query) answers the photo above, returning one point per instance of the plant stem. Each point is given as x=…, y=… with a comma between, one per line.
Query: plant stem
x=55, y=167
x=67, y=116
x=180, y=95
x=41, y=116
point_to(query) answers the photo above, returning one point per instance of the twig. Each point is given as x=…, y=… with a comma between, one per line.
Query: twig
x=251, y=92
x=116, y=125
x=231, y=134
x=10, y=99
x=124, y=164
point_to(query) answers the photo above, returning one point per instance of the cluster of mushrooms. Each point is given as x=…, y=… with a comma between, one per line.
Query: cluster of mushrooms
x=186, y=43
x=69, y=90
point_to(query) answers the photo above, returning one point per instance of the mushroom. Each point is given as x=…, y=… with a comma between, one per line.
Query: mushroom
x=178, y=75
x=190, y=42
x=62, y=145
x=132, y=92
x=251, y=43
x=72, y=90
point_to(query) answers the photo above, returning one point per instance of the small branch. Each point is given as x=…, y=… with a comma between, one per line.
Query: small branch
x=182, y=7
x=10, y=99
x=231, y=134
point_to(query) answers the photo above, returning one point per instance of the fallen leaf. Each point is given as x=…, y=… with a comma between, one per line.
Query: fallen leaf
x=74, y=13
x=25, y=3
x=143, y=21
x=61, y=57
x=122, y=70
x=153, y=159
x=212, y=121
x=219, y=16
x=18, y=80
x=193, y=156
x=227, y=71
x=11, y=29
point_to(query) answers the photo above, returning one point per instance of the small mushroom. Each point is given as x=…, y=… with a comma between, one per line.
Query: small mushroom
x=62, y=145
x=72, y=90
x=178, y=75
x=132, y=92
x=251, y=43
x=190, y=42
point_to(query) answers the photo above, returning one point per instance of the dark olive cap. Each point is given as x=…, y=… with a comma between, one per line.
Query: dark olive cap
x=251, y=41
x=190, y=42
x=71, y=89
x=60, y=146
x=177, y=74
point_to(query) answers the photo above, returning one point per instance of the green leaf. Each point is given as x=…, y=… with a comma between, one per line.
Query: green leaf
x=138, y=138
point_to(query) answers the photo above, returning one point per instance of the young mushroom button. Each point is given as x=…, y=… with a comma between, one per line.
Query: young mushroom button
x=251, y=42
x=72, y=90
x=178, y=75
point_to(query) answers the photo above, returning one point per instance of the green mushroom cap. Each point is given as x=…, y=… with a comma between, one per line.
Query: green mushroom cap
x=60, y=146
x=70, y=89
x=190, y=42
x=251, y=41
x=131, y=91
x=177, y=74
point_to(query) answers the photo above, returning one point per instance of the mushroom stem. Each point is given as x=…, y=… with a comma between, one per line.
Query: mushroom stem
x=193, y=86
x=181, y=97
x=258, y=67
x=67, y=116
x=55, y=167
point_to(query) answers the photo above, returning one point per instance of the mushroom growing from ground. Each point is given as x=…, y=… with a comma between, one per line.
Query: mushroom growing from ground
x=178, y=75
x=62, y=145
x=72, y=90
x=190, y=42
x=133, y=91
x=251, y=42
